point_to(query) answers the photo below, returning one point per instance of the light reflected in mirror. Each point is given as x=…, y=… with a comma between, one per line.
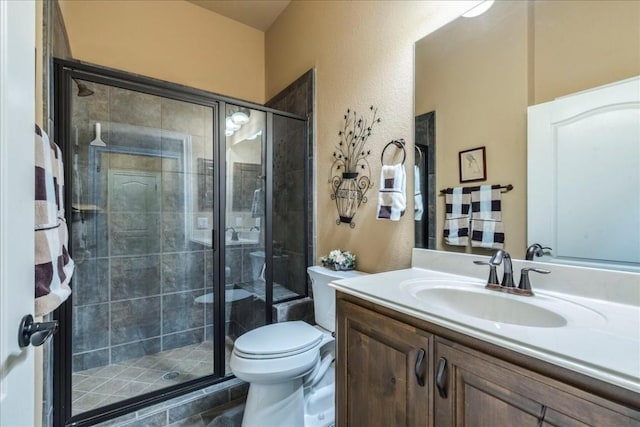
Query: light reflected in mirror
x=480, y=74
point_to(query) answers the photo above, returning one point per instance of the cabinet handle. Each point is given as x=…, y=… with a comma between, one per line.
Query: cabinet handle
x=442, y=365
x=419, y=368
x=543, y=413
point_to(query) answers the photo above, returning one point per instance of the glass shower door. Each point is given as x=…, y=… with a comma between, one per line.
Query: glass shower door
x=244, y=222
x=140, y=232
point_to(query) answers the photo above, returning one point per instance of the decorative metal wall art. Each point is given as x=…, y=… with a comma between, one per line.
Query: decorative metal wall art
x=350, y=175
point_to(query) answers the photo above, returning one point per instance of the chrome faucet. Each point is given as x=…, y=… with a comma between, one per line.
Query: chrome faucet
x=507, y=285
x=535, y=249
x=507, y=277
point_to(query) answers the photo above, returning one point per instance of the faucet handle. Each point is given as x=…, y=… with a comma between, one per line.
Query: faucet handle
x=536, y=250
x=493, y=275
x=541, y=250
x=525, y=284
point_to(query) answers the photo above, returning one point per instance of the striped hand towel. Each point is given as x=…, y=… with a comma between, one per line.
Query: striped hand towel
x=392, y=199
x=53, y=265
x=487, y=229
x=456, y=222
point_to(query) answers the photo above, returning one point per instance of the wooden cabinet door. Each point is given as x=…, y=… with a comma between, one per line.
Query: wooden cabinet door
x=380, y=380
x=481, y=391
x=471, y=392
x=566, y=410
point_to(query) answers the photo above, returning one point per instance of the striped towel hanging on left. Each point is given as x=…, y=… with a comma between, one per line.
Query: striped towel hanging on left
x=53, y=265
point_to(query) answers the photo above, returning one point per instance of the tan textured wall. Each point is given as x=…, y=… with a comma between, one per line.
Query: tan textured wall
x=170, y=40
x=580, y=45
x=480, y=86
x=363, y=55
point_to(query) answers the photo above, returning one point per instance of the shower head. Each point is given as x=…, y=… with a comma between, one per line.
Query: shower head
x=83, y=90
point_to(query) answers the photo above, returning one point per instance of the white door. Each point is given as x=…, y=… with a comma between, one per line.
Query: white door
x=134, y=211
x=17, y=115
x=584, y=176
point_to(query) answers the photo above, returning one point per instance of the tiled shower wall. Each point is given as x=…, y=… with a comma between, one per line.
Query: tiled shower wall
x=289, y=175
x=426, y=138
x=135, y=296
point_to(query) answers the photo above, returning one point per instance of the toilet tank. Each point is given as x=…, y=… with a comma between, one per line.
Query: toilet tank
x=324, y=296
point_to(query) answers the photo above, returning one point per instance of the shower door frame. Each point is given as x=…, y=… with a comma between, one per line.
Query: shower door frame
x=64, y=71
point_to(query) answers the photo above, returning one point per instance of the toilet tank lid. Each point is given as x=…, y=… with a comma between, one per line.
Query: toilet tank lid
x=279, y=338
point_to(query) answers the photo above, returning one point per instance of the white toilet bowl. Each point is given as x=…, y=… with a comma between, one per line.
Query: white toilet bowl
x=289, y=365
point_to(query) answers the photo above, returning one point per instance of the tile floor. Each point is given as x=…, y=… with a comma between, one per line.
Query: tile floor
x=101, y=386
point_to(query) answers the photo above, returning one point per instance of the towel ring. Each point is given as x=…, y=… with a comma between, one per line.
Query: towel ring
x=398, y=143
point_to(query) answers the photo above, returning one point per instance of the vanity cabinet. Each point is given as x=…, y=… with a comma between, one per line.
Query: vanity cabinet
x=468, y=382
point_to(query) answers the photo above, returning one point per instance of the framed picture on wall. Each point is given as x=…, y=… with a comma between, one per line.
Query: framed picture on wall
x=472, y=165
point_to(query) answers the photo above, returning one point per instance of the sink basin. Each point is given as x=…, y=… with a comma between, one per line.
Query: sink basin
x=491, y=306
x=469, y=298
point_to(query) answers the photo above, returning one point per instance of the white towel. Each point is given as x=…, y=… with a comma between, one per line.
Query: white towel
x=392, y=199
x=418, y=207
x=487, y=230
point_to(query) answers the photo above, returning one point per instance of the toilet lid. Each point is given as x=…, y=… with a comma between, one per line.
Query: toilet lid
x=277, y=340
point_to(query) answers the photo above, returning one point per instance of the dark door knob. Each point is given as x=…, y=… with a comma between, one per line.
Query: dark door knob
x=35, y=333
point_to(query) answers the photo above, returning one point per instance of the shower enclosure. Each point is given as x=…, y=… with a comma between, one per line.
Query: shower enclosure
x=187, y=223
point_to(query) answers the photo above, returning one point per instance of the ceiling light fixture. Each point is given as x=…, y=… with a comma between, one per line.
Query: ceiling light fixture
x=240, y=118
x=230, y=125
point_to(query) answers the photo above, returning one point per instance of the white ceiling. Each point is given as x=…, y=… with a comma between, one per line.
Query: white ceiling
x=259, y=14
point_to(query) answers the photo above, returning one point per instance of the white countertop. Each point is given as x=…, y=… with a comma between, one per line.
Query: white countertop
x=601, y=338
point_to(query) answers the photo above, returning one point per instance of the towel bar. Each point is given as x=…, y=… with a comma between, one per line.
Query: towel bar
x=505, y=188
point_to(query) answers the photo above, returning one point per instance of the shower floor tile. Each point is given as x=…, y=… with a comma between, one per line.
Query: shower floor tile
x=101, y=386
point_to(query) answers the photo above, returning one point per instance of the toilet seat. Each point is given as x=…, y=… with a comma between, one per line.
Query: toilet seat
x=278, y=340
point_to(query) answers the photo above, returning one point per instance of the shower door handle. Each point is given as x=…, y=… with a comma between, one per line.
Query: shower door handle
x=35, y=333
x=214, y=243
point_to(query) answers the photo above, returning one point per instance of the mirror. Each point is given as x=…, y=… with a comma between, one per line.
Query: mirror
x=246, y=171
x=479, y=75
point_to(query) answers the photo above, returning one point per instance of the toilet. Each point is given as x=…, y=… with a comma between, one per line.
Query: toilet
x=289, y=365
